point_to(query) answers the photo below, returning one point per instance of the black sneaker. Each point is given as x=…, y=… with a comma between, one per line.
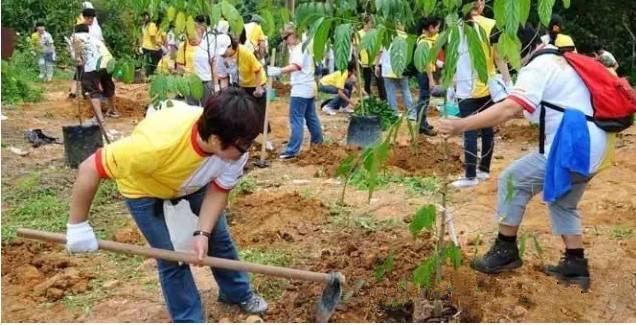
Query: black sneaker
x=571, y=270
x=502, y=256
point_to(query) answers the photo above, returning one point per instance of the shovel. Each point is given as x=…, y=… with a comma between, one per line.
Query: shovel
x=262, y=162
x=333, y=281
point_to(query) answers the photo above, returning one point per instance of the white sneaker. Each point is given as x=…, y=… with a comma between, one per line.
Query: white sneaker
x=483, y=176
x=347, y=109
x=328, y=110
x=465, y=182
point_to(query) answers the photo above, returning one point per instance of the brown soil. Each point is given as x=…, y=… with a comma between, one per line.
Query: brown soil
x=428, y=160
x=518, y=132
x=282, y=89
x=328, y=157
x=262, y=218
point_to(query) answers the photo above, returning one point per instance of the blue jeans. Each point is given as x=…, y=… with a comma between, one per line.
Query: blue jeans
x=177, y=284
x=302, y=110
x=393, y=85
x=336, y=102
x=424, y=99
x=469, y=107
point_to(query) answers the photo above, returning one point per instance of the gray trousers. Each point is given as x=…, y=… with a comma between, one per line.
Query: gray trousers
x=522, y=180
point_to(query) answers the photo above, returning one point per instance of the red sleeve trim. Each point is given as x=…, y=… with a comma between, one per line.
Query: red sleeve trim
x=195, y=144
x=99, y=164
x=523, y=103
x=220, y=188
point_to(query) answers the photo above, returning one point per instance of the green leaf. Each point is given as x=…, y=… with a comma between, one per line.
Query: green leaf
x=522, y=245
x=450, y=4
x=476, y=50
x=537, y=246
x=171, y=13
x=524, y=10
x=545, y=11
x=129, y=73
x=180, y=23
x=196, y=87
x=424, y=272
x=424, y=219
x=183, y=87
x=283, y=13
x=427, y=6
x=421, y=57
x=566, y=4
x=371, y=43
x=439, y=43
x=158, y=88
x=342, y=46
x=509, y=47
x=452, y=55
x=513, y=17
x=411, y=42
x=510, y=189
x=321, y=33
x=398, y=54
x=346, y=166
x=233, y=17
x=269, y=26
x=499, y=9
x=215, y=14
x=454, y=254
x=190, y=27
x=384, y=268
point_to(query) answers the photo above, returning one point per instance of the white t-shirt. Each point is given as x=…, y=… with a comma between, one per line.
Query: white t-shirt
x=550, y=78
x=92, y=51
x=95, y=30
x=385, y=62
x=302, y=81
x=465, y=75
x=201, y=59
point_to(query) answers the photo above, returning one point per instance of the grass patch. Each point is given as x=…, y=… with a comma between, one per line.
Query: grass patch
x=365, y=222
x=270, y=288
x=246, y=185
x=621, y=233
x=414, y=185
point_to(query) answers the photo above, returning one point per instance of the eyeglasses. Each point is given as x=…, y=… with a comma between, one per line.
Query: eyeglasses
x=243, y=149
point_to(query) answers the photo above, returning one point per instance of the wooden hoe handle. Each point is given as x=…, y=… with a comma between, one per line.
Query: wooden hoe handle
x=173, y=256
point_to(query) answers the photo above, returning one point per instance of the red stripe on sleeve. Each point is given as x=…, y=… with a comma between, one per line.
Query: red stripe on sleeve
x=220, y=188
x=527, y=106
x=99, y=164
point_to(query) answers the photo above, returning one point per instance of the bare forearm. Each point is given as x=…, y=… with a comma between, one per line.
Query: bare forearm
x=502, y=66
x=492, y=116
x=343, y=96
x=289, y=69
x=211, y=209
x=84, y=191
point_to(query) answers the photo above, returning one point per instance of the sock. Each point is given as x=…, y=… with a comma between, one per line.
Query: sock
x=575, y=252
x=508, y=239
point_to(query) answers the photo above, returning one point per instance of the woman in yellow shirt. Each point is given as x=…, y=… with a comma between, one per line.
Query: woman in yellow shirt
x=429, y=27
x=151, y=44
x=339, y=83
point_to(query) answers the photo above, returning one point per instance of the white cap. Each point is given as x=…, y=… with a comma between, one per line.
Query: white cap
x=87, y=5
x=222, y=43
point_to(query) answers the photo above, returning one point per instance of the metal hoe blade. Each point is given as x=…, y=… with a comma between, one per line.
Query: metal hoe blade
x=330, y=297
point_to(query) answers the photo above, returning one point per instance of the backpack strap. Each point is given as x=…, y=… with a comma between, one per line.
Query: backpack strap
x=543, y=52
x=543, y=105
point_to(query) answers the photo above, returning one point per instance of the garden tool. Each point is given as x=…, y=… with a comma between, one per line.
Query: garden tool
x=262, y=162
x=326, y=306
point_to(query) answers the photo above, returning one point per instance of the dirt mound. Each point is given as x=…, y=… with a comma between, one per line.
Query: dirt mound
x=429, y=159
x=282, y=89
x=41, y=272
x=518, y=132
x=265, y=217
x=327, y=156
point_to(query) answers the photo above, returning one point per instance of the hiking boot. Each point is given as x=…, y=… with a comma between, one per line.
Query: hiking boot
x=255, y=305
x=571, y=270
x=502, y=256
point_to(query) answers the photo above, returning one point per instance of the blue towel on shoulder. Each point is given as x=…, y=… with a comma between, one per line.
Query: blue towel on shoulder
x=569, y=153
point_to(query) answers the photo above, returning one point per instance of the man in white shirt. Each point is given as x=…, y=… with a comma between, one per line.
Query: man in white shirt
x=90, y=19
x=302, y=106
x=46, y=50
x=547, y=78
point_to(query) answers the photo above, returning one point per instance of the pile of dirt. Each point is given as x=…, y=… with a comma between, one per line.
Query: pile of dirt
x=40, y=272
x=327, y=156
x=264, y=217
x=429, y=159
x=520, y=133
x=282, y=89
x=365, y=297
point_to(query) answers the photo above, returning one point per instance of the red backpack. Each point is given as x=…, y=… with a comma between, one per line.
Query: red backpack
x=613, y=99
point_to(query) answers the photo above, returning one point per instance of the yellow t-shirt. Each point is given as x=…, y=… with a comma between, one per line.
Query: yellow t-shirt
x=364, y=55
x=254, y=33
x=336, y=79
x=248, y=66
x=165, y=64
x=151, y=37
x=185, y=56
x=480, y=89
x=162, y=158
x=35, y=41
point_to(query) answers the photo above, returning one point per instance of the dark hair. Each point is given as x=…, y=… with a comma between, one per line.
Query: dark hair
x=202, y=19
x=556, y=20
x=81, y=28
x=529, y=38
x=351, y=66
x=88, y=12
x=39, y=24
x=427, y=22
x=367, y=19
x=232, y=115
x=144, y=14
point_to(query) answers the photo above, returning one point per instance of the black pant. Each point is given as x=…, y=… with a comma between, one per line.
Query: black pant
x=152, y=58
x=98, y=83
x=262, y=102
x=469, y=107
x=368, y=74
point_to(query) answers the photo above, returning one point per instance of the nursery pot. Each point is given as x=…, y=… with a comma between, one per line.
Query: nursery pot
x=80, y=141
x=364, y=131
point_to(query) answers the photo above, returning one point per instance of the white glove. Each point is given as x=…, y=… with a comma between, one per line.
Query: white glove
x=274, y=71
x=80, y=238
